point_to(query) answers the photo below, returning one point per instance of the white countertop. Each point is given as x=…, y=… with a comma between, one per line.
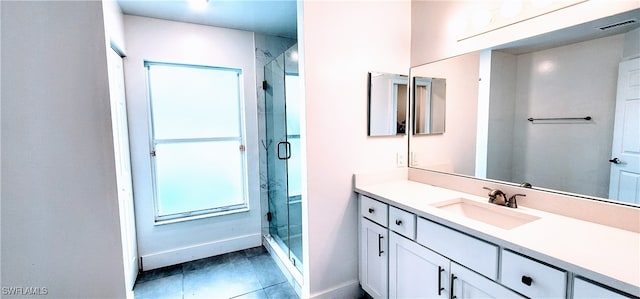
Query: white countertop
x=602, y=253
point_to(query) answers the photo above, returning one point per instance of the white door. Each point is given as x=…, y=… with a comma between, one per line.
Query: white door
x=123, y=167
x=624, y=183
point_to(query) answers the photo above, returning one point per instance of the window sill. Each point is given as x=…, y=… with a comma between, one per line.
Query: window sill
x=200, y=216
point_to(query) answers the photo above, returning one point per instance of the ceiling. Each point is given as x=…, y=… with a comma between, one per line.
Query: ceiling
x=607, y=26
x=272, y=17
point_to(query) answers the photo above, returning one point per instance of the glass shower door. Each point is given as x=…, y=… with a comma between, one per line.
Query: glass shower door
x=294, y=176
x=275, y=111
x=283, y=155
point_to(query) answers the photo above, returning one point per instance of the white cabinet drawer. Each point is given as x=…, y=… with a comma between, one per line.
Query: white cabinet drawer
x=586, y=289
x=374, y=210
x=402, y=222
x=473, y=253
x=531, y=278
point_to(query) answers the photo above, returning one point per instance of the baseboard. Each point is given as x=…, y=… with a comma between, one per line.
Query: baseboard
x=349, y=289
x=190, y=253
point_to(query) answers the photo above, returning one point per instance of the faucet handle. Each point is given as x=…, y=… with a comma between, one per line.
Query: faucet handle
x=492, y=196
x=494, y=193
x=512, y=202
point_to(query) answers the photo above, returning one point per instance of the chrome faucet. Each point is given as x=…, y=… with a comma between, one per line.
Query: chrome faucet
x=496, y=196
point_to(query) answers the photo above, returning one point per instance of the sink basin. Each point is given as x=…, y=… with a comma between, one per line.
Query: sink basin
x=498, y=216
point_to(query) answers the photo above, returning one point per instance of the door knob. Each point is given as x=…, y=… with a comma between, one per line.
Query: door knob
x=615, y=161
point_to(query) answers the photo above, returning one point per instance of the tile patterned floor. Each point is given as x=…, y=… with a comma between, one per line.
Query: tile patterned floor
x=245, y=274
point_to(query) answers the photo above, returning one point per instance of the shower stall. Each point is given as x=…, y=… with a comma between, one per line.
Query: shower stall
x=282, y=142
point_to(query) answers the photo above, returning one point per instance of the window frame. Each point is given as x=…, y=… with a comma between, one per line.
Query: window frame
x=209, y=212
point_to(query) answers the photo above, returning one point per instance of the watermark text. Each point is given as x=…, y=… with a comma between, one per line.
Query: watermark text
x=24, y=291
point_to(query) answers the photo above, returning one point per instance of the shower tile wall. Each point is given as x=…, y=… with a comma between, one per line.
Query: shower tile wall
x=267, y=48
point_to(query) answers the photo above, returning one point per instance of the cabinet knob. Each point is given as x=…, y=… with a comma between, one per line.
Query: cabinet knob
x=398, y=222
x=527, y=280
x=371, y=210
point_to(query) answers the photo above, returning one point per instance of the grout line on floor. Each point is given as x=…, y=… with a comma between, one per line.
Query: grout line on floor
x=246, y=255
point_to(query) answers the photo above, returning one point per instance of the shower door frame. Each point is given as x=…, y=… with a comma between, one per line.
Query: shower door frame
x=279, y=153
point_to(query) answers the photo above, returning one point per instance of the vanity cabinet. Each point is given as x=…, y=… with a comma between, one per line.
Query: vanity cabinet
x=418, y=272
x=405, y=256
x=373, y=247
x=394, y=265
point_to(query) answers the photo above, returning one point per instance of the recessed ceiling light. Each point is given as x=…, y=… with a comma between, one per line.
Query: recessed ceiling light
x=198, y=4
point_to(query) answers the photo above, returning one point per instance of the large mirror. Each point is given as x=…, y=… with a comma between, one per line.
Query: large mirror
x=566, y=82
x=388, y=94
x=429, y=105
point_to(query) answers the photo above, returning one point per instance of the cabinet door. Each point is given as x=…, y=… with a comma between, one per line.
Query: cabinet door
x=373, y=258
x=468, y=284
x=415, y=271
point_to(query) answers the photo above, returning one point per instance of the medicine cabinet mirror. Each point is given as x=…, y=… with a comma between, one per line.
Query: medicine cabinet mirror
x=429, y=99
x=540, y=110
x=388, y=94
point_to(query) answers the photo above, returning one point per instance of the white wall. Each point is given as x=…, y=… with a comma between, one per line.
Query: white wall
x=340, y=42
x=60, y=227
x=576, y=80
x=166, y=41
x=631, y=44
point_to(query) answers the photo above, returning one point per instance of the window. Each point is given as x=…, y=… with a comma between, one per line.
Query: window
x=197, y=140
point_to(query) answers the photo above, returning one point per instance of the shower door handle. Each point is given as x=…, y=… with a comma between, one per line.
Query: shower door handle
x=287, y=150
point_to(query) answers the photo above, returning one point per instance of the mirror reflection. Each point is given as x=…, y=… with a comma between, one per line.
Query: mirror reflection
x=388, y=94
x=453, y=151
x=429, y=99
x=489, y=135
